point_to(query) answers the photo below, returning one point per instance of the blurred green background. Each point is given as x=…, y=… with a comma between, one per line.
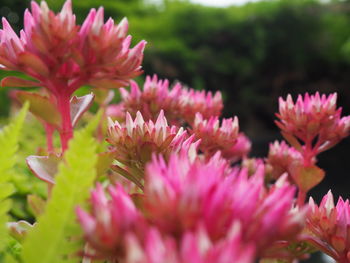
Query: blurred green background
x=252, y=53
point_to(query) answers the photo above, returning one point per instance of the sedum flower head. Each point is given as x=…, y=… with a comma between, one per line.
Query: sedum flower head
x=115, y=230
x=105, y=48
x=111, y=219
x=154, y=97
x=310, y=118
x=225, y=137
x=61, y=56
x=135, y=141
x=194, y=247
x=282, y=158
x=194, y=101
x=179, y=103
x=182, y=193
x=329, y=227
x=204, y=214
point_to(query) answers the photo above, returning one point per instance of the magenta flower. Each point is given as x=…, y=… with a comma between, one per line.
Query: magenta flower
x=328, y=226
x=117, y=231
x=110, y=221
x=108, y=60
x=241, y=148
x=225, y=137
x=61, y=57
x=315, y=121
x=282, y=158
x=179, y=104
x=154, y=97
x=188, y=201
x=311, y=125
x=195, y=247
x=194, y=101
x=135, y=141
x=182, y=193
x=116, y=112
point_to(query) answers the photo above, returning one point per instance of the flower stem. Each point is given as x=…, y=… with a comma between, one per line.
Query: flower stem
x=66, y=131
x=49, y=137
x=301, y=198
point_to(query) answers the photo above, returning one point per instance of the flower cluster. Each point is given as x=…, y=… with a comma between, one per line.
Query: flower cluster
x=186, y=200
x=282, y=159
x=184, y=196
x=328, y=226
x=61, y=57
x=314, y=120
x=311, y=125
x=139, y=242
x=224, y=138
x=179, y=104
x=135, y=141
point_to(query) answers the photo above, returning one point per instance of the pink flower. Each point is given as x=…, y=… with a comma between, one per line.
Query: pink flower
x=179, y=104
x=329, y=227
x=135, y=141
x=194, y=101
x=222, y=138
x=195, y=247
x=106, y=53
x=110, y=221
x=154, y=97
x=61, y=57
x=241, y=148
x=53, y=50
x=192, y=211
x=116, y=112
x=281, y=159
x=315, y=121
x=115, y=230
x=182, y=193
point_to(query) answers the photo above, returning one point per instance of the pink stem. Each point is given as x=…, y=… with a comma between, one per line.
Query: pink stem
x=308, y=153
x=49, y=137
x=66, y=131
x=301, y=198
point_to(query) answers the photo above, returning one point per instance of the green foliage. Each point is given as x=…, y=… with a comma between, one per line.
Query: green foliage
x=54, y=237
x=9, y=137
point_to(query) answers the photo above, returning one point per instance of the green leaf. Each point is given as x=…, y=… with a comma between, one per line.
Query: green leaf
x=54, y=237
x=9, y=137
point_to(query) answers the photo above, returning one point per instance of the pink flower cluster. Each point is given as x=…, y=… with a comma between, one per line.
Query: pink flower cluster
x=224, y=138
x=282, y=159
x=311, y=125
x=329, y=227
x=314, y=120
x=134, y=142
x=61, y=57
x=180, y=104
x=187, y=196
x=192, y=211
